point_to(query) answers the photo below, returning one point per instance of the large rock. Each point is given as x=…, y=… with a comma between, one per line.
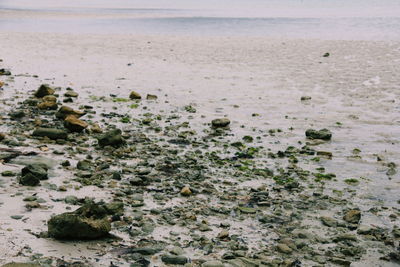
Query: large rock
x=323, y=134
x=44, y=90
x=74, y=124
x=32, y=174
x=222, y=122
x=88, y=222
x=51, y=133
x=111, y=138
x=65, y=111
x=135, y=95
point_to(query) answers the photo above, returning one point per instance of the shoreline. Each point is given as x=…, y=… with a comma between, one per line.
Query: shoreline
x=257, y=83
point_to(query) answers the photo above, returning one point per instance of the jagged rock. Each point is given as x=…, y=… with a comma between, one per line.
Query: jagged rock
x=88, y=222
x=222, y=122
x=323, y=134
x=65, y=111
x=111, y=138
x=44, y=90
x=135, y=95
x=51, y=133
x=74, y=124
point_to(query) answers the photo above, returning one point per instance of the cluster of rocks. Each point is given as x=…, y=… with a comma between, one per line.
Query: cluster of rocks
x=228, y=198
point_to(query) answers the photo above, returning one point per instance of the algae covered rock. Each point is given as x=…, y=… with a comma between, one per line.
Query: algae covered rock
x=221, y=122
x=111, y=138
x=51, y=133
x=88, y=222
x=323, y=134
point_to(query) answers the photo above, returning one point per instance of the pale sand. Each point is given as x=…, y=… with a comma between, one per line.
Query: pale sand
x=358, y=85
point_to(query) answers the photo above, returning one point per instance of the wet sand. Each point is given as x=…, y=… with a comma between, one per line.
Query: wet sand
x=256, y=82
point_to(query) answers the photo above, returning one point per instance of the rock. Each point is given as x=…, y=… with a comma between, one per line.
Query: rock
x=32, y=174
x=48, y=102
x=173, y=259
x=305, y=98
x=135, y=95
x=2, y=136
x=224, y=234
x=16, y=114
x=111, y=138
x=74, y=124
x=328, y=221
x=212, y=264
x=51, y=133
x=95, y=128
x=116, y=207
x=222, y=122
x=1, y=84
x=44, y=90
x=84, y=165
x=65, y=111
x=151, y=97
x=5, y=72
x=87, y=222
x=352, y=216
x=71, y=93
x=323, y=134
x=186, y=191
x=283, y=248
x=17, y=264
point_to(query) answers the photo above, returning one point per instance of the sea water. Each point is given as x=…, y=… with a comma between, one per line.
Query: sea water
x=322, y=19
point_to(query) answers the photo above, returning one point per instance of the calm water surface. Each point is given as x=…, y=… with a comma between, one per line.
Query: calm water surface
x=326, y=19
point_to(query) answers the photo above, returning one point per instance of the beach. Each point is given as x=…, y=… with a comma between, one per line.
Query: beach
x=180, y=188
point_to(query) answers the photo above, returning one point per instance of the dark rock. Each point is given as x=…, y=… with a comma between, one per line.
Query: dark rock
x=32, y=174
x=5, y=72
x=323, y=134
x=17, y=114
x=51, y=133
x=151, y=97
x=111, y=138
x=17, y=264
x=87, y=222
x=135, y=95
x=222, y=122
x=44, y=90
x=173, y=259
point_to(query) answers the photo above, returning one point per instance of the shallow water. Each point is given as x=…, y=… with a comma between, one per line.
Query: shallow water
x=377, y=20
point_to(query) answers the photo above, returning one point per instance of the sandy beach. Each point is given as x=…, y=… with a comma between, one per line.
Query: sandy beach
x=272, y=90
